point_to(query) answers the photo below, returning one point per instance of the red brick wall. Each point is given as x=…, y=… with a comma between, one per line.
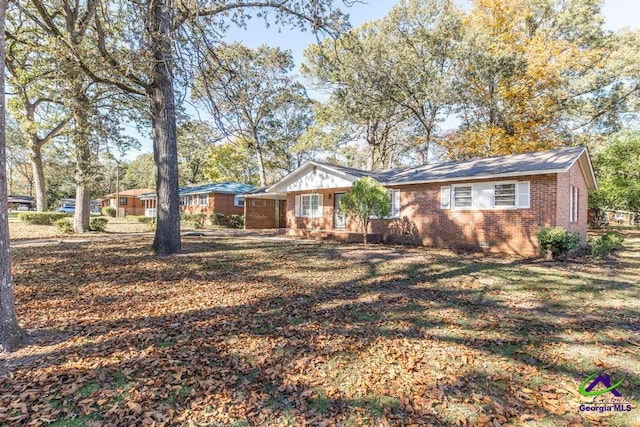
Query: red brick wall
x=223, y=203
x=134, y=206
x=496, y=230
x=573, y=177
x=260, y=213
x=218, y=202
x=422, y=221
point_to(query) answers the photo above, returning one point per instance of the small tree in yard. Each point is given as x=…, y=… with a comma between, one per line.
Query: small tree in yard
x=367, y=198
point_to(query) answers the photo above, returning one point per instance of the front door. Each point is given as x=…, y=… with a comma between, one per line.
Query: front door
x=339, y=220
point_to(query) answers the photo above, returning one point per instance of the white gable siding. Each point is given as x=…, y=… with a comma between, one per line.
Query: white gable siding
x=317, y=180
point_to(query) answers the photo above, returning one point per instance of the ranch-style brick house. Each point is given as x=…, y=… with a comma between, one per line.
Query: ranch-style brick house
x=126, y=202
x=224, y=197
x=495, y=204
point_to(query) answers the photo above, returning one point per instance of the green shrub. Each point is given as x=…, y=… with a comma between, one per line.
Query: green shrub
x=197, y=220
x=557, y=240
x=109, y=211
x=217, y=218
x=605, y=244
x=98, y=224
x=41, y=218
x=63, y=225
x=236, y=221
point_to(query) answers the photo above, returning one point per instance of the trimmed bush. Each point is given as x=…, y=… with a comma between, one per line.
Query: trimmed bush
x=98, y=224
x=557, y=241
x=217, y=218
x=41, y=218
x=109, y=211
x=236, y=221
x=63, y=226
x=605, y=244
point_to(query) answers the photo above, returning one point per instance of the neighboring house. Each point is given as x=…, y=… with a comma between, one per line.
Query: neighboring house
x=20, y=203
x=225, y=197
x=496, y=203
x=126, y=202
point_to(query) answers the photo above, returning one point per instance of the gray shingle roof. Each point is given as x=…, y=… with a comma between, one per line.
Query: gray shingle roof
x=516, y=164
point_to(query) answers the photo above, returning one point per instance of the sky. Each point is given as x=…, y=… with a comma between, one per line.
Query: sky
x=617, y=13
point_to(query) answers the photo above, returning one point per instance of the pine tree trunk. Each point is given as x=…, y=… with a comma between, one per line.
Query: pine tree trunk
x=11, y=335
x=38, y=175
x=163, y=119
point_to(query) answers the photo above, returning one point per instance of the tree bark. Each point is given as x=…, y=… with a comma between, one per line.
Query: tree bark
x=38, y=174
x=163, y=119
x=11, y=335
x=83, y=160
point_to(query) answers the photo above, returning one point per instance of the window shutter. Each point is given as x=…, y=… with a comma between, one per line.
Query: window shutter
x=445, y=197
x=395, y=203
x=297, y=206
x=319, y=209
x=523, y=195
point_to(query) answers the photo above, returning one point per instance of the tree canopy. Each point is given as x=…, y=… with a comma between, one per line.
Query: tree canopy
x=617, y=167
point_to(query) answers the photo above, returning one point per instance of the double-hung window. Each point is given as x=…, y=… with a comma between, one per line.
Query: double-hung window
x=203, y=199
x=308, y=206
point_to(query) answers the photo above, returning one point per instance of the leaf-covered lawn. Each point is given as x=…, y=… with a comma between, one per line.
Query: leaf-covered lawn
x=248, y=331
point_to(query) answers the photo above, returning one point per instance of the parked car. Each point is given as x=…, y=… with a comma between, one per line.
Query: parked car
x=67, y=209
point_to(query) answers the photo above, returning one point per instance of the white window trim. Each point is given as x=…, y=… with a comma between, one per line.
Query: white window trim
x=236, y=201
x=299, y=201
x=493, y=203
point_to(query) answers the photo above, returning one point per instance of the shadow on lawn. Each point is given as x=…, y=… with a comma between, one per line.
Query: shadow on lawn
x=439, y=312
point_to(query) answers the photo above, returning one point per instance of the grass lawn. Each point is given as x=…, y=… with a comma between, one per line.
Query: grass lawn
x=20, y=230
x=242, y=331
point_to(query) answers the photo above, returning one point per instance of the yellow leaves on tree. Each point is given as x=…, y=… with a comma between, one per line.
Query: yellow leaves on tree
x=515, y=75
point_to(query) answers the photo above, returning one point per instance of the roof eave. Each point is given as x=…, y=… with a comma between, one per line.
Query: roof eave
x=475, y=177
